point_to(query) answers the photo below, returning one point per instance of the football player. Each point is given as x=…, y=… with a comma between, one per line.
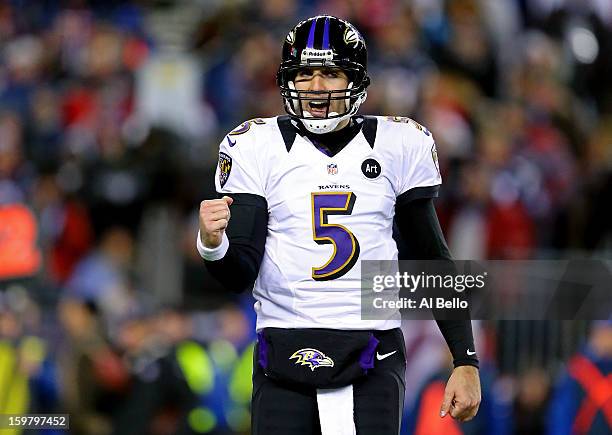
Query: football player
x=305, y=197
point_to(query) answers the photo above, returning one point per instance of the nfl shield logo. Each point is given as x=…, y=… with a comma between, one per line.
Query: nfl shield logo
x=332, y=169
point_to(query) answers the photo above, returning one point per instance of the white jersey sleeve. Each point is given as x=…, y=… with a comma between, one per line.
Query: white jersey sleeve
x=238, y=170
x=420, y=173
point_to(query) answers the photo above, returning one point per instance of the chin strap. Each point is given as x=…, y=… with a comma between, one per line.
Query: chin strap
x=320, y=126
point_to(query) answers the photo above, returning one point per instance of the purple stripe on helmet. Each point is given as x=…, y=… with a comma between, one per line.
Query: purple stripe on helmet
x=262, y=347
x=310, y=43
x=326, y=35
x=366, y=359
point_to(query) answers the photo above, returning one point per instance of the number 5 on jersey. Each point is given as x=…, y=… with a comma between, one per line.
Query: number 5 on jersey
x=346, y=246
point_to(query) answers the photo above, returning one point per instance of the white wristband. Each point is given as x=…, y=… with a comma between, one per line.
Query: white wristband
x=213, y=254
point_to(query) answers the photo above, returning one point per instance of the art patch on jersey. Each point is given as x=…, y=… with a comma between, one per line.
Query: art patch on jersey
x=371, y=169
x=225, y=167
x=434, y=156
x=312, y=358
x=332, y=169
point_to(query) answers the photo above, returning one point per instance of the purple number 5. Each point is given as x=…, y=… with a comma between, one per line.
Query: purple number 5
x=346, y=246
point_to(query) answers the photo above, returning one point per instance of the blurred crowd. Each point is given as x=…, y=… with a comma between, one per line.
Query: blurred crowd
x=110, y=116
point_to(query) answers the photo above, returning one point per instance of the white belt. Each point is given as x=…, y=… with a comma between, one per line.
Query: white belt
x=336, y=410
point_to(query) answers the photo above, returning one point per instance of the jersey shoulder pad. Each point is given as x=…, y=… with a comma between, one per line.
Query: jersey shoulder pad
x=247, y=126
x=403, y=122
x=249, y=132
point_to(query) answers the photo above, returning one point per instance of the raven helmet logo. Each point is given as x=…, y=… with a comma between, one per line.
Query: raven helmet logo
x=291, y=37
x=351, y=36
x=312, y=358
x=225, y=167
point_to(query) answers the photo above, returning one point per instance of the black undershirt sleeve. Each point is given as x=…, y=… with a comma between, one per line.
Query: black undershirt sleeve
x=246, y=231
x=423, y=240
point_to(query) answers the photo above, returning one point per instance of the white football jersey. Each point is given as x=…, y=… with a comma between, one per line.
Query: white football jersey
x=326, y=214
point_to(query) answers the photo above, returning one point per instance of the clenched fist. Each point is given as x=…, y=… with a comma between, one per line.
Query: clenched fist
x=462, y=394
x=214, y=217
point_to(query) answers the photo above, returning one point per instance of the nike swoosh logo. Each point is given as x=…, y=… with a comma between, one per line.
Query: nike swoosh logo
x=381, y=357
x=231, y=144
x=470, y=353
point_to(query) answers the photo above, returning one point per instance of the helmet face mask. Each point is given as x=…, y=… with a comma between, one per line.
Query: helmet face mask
x=323, y=42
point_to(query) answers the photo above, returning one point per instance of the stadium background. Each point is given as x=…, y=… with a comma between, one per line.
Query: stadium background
x=110, y=116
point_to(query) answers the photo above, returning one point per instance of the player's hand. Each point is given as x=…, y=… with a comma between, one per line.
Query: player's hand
x=462, y=394
x=214, y=217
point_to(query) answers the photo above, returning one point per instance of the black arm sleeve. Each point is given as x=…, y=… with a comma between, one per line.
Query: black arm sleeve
x=247, y=231
x=422, y=239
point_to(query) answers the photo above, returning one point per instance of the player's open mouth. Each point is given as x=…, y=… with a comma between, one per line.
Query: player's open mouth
x=318, y=108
